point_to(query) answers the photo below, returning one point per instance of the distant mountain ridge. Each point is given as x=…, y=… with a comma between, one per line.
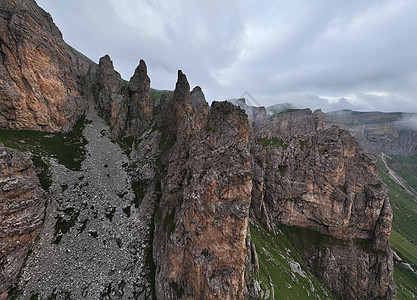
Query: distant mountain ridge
x=390, y=133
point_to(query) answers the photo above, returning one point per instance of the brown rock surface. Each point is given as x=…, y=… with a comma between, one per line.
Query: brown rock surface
x=21, y=213
x=318, y=178
x=140, y=102
x=38, y=78
x=201, y=219
x=109, y=96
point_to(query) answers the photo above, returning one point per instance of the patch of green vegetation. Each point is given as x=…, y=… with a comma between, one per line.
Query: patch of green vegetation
x=343, y=188
x=209, y=129
x=167, y=140
x=225, y=113
x=404, y=248
x=85, y=58
x=127, y=211
x=67, y=148
x=406, y=282
x=282, y=170
x=157, y=94
x=403, y=237
x=64, y=187
x=271, y=142
x=14, y=292
x=140, y=192
x=403, y=205
x=110, y=213
x=205, y=252
x=303, y=144
x=126, y=143
x=377, y=186
x=43, y=172
x=280, y=265
x=405, y=167
x=64, y=223
x=179, y=290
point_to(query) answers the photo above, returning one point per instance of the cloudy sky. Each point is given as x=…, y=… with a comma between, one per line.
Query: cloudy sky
x=329, y=54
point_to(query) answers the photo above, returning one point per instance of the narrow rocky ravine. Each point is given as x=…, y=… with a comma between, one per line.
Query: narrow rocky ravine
x=94, y=239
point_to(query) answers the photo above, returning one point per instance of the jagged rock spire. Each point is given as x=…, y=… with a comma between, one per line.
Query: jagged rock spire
x=140, y=102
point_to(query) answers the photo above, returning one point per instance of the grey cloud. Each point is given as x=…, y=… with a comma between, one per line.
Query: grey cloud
x=278, y=51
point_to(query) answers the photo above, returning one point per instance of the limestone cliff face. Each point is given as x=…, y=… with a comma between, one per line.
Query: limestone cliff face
x=140, y=105
x=110, y=97
x=39, y=87
x=376, y=132
x=201, y=220
x=128, y=110
x=21, y=213
x=311, y=177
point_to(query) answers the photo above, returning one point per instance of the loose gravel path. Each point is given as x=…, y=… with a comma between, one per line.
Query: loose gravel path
x=94, y=240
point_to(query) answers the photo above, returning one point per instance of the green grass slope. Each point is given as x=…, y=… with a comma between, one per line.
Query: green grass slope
x=404, y=233
x=280, y=266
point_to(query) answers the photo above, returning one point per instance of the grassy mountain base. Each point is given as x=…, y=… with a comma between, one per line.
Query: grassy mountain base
x=281, y=271
x=404, y=234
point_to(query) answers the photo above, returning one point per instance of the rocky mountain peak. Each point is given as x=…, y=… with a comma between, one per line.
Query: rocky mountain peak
x=109, y=95
x=180, y=103
x=140, y=102
x=140, y=81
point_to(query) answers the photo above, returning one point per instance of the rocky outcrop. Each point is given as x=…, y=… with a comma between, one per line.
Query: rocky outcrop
x=127, y=110
x=140, y=103
x=109, y=95
x=353, y=269
x=201, y=219
x=21, y=213
x=39, y=85
x=311, y=177
x=200, y=106
x=376, y=132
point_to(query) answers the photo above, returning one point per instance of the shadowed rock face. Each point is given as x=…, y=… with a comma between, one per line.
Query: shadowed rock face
x=21, y=213
x=39, y=88
x=140, y=103
x=311, y=177
x=201, y=220
x=109, y=96
x=127, y=110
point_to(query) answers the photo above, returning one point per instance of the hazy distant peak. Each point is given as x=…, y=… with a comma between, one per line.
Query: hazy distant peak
x=277, y=108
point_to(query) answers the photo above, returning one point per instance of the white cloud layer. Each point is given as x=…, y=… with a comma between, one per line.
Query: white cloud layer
x=328, y=54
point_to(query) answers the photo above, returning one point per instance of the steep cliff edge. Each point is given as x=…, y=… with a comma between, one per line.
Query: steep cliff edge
x=376, y=132
x=21, y=213
x=317, y=178
x=40, y=81
x=201, y=219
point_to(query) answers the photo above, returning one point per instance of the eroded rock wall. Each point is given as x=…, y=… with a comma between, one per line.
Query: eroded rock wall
x=201, y=219
x=21, y=213
x=39, y=83
x=317, y=178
